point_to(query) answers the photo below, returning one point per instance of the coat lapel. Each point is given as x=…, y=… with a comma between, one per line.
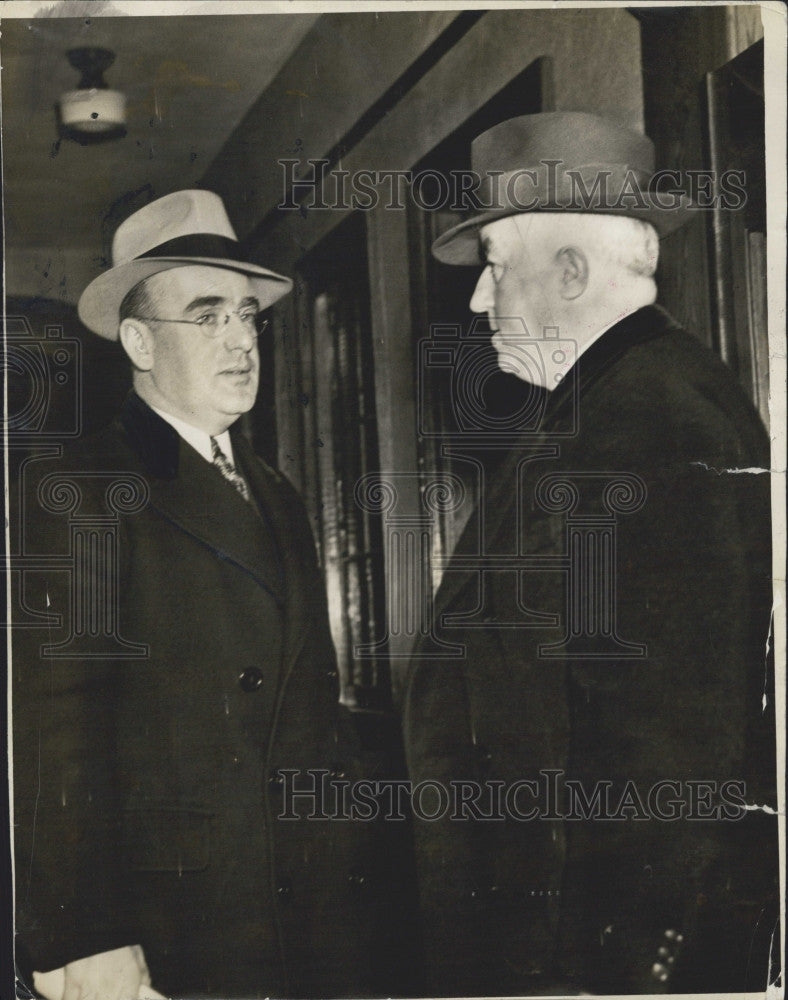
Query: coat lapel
x=266, y=485
x=194, y=496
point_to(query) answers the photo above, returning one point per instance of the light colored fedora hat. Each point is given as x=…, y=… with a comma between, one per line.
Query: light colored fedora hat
x=186, y=227
x=562, y=161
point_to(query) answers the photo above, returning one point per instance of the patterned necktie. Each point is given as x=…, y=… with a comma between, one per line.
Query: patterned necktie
x=228, y=470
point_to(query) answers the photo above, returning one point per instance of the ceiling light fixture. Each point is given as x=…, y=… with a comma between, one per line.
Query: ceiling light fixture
x=92, y=112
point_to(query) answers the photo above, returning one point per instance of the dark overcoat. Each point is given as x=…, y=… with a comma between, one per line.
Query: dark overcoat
x=543, y=893
x=150, y=736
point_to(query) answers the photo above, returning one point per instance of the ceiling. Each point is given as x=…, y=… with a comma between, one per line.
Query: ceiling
x=189, y=80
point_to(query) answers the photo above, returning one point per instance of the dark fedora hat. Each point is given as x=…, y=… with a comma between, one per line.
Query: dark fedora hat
x=562, y=161
x=185, y=227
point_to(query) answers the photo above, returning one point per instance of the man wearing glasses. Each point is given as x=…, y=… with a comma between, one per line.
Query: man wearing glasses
x=189, y=661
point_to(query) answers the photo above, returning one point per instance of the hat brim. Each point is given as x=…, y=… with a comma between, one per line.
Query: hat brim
x=460, y=244
x=99, y=304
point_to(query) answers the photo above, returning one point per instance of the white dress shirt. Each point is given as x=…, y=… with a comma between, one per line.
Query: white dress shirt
x=199, y=440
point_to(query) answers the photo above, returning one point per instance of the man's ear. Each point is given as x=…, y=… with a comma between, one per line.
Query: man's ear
x=572, y=266
x=137, y=341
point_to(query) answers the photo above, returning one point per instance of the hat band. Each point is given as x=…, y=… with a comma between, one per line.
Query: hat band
x=197, y=245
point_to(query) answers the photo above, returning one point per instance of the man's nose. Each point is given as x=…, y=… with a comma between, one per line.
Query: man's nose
x=483, y=298
x=239, y=334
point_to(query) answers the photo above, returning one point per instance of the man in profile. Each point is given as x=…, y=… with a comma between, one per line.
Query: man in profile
x=619, y=681
x=183, y=663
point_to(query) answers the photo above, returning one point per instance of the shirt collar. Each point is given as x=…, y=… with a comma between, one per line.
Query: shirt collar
x=598, y=334
x=199, y=439
x=582, y=348
x=644, y=324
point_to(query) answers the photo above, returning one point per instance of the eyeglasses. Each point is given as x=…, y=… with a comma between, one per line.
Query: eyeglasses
x=211, y=324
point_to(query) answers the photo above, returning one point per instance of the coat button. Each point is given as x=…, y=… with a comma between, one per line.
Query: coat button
x=276, y=782
x=284, y=892
x=336, y=771
x=358, y=880
x=250, y=679
x=659, y=972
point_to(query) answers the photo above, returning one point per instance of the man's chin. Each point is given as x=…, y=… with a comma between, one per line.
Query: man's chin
x=236, y=405
x=511, y=364
x=527, y=377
